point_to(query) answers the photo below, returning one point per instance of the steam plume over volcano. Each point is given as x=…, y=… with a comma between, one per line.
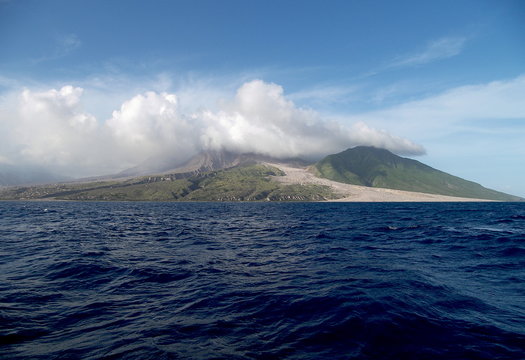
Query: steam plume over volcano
x=51, y=128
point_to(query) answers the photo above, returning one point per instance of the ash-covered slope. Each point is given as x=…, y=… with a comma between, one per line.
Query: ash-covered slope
x=203, y=162
x=369, y=166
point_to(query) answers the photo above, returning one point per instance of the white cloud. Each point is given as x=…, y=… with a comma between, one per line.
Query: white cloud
x=262, y=120
x=443, y=113
x=51, y=128
x=150, y=125
x=362, y=134
x=443, y=48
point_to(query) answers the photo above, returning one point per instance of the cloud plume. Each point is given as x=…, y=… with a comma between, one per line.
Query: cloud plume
x=261, y=120
x=51, y=128
x=150, y=125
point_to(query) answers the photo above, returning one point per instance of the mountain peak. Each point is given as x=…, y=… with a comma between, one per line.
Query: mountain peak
x=375, y=167
x=205, y=161
x=365, y=150
x=211, y=160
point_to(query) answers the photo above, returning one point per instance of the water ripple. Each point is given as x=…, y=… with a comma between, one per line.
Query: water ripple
x=262, y=281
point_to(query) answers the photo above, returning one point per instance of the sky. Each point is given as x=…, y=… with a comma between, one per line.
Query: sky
x=95, y=87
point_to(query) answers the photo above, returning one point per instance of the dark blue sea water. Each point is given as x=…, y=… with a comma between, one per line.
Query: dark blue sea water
x=262, y=280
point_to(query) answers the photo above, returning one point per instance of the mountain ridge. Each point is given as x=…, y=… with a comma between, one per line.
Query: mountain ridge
x=367, y=173
x=375, y=167
x=205, y=161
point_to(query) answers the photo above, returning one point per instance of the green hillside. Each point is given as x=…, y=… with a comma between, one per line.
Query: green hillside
x=369, y=166
x=241, y=183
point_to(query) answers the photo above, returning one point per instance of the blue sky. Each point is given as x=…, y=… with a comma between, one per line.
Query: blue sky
x=89, y=87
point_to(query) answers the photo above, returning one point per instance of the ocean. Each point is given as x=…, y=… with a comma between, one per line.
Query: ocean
x=130, y=280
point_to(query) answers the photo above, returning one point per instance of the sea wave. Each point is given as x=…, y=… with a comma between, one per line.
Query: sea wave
x=262, y=281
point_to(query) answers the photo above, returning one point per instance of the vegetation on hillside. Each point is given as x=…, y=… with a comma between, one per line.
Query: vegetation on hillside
x=374, y=167
x=242, y=183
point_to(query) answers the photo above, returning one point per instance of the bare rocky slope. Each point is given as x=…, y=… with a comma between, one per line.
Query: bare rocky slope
x=356, y=193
